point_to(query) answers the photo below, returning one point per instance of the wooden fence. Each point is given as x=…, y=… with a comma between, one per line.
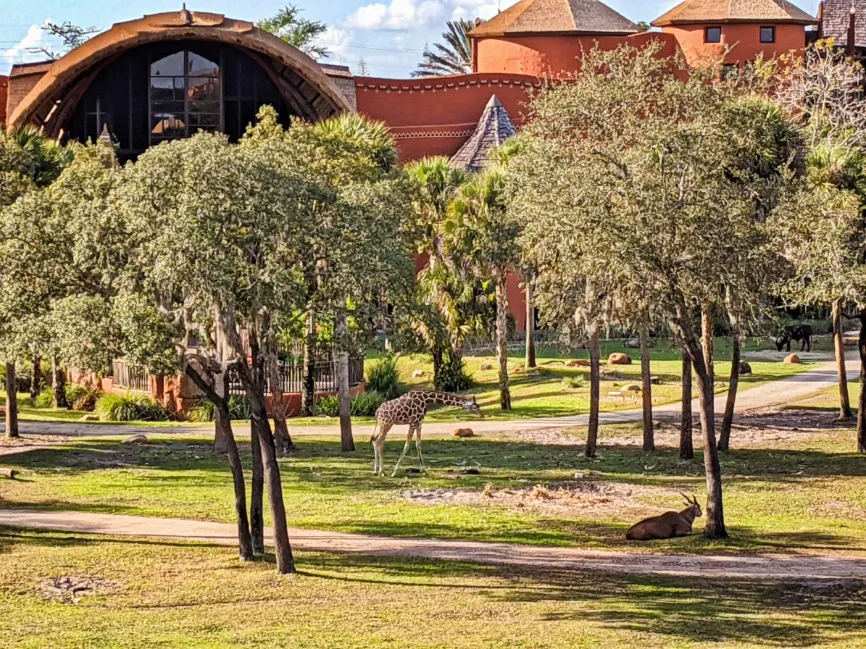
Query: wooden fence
x=129, y=376
x=292, y=377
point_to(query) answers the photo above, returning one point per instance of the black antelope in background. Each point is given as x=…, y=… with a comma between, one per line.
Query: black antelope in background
x=795, y=332
x=667, y=525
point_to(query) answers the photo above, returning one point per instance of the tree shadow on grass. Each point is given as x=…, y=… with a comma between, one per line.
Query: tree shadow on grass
x=755, y=613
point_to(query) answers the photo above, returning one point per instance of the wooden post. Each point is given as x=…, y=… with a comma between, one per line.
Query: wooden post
x=11, y=401
x=852, y=20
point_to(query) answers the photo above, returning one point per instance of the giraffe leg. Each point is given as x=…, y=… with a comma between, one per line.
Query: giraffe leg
x=418, y=447
x=405, y=448
x=379, y=447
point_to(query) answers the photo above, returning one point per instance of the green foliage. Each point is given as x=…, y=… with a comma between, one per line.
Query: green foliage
x=452, y=57
x=384, y=378
x=82, y=397
x=453, y=375
x=44, y=399
x=362, y=405
x=328, y=405
x=302, y=33
x=572, y=382
x=130, y=407
x=204, y=410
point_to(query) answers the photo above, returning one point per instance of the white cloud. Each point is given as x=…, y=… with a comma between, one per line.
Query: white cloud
x=398, y=15
x=22, y=50
x=336, y=41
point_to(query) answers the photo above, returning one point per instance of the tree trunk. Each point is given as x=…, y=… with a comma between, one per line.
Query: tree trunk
x=282, y=439
x=309, y=387
x=257, y=521
x=687, y=451
x=861, y=405
x=347, y=442
x=502, y=340
x=58, y=384
x=222, y=418
x=594, y=394
x=36, y=382
x=707, y=338
x=646, y=388
x=438, y=361
x=731, y=402
x=11, y=401
x=844, y=399
x=530, y=323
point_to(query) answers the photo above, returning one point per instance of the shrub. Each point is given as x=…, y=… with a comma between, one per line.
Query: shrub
x=384, y=378
x=82, y=397
x=130, y=407
x=453, y=376
x=572, y=382
x=204, y=410
x=362, y=405
x=44, y=399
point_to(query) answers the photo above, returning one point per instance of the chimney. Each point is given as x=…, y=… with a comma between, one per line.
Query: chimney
x=852, y=18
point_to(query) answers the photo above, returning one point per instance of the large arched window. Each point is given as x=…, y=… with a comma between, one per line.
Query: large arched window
x=173, y=90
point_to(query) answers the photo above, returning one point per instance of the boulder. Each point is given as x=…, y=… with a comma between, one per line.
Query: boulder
x=136, y=439
x=655, y=380
x=463, y=432
x=632, y=387
x=619, y=358
x=417, y=374
x=745, y=368
x=792, y=359
x=485, y=366
x=90, y=417
x=633, y=343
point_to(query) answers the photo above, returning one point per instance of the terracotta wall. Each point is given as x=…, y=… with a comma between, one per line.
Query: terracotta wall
x=552, y=55
x=744, y=41
x=21, y=81
x=436, y=116
x=4, y=91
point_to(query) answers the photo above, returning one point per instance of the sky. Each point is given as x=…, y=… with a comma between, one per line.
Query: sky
x=386, y=37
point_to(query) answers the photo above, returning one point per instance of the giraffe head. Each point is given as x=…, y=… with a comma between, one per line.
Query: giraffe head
x=472, y=406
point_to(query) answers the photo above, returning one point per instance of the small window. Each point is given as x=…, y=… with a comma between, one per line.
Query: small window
x=768, y=34
x=713, y=35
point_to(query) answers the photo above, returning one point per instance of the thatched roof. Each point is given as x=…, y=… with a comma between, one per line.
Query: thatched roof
x=494, y=127
x=556, y=17
x=734, y=11
x=835, y=15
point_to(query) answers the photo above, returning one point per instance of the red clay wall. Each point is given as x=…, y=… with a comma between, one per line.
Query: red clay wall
x=744, y=39
x=541, y=56
x=4, y=92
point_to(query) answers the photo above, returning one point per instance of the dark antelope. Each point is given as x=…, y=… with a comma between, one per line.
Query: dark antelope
x=667, y=525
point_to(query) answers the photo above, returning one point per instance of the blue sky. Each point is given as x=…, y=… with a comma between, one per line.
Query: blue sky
x=388, y=35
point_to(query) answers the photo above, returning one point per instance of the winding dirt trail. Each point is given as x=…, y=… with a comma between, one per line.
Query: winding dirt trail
x=763, y=567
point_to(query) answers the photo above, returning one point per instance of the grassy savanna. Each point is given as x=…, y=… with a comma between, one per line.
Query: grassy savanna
x=551, y=390
x=175, y=594
x=793, y=492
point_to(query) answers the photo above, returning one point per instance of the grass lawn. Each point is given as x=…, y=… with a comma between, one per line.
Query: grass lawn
x=168, y=594
x=544, y=392
x=799, y=493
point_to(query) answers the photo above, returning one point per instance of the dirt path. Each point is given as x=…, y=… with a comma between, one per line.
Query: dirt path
x=764, y=567
x=782, y=391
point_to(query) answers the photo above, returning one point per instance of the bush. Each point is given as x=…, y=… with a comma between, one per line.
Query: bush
x=453, y=376
x=204, y=410
x=44, y=399
x=362, y=405
x=130, y=407
x=82, y=397
x=383, y=377
x=572, y=382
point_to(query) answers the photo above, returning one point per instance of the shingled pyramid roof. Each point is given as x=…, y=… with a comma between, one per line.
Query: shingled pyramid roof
x=556, y=17
x=494, y=127
x=734, y=11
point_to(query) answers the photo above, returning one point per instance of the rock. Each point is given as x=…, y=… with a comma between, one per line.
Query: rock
x=136, y=439
x=463, y=432
x=8, y=473
x=619, y=358
x=633, y=343
x=745, y=368
x=792, y=359
x=577, y=362
x=417, y=374
x=632, y=387
x=655, y=380
x=485, y=366
x=89, y=417
x=517, y=370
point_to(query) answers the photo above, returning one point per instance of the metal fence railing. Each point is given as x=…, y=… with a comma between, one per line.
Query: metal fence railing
x=292, y=377
x=130, y=376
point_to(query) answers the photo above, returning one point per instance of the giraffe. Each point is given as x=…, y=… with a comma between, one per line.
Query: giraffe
x=410, y=409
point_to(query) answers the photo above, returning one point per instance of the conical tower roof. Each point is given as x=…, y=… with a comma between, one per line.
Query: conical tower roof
x=494, y=127
x=734, y=11
x=556, y=17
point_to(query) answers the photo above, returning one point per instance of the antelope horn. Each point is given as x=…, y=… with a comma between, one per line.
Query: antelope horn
x=695, y=499
x=687, y=499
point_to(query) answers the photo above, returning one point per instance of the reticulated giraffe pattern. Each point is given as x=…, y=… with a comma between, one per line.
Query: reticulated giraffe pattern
x=410, y=409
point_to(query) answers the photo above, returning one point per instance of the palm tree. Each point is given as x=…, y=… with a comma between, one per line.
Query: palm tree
x=302, y=33
x=452, y=57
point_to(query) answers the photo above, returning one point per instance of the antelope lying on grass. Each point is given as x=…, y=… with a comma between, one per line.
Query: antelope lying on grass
x=667, y=525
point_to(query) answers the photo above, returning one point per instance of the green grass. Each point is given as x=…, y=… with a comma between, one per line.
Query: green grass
x=540, y=393
x=169, y=594
x=794, y=496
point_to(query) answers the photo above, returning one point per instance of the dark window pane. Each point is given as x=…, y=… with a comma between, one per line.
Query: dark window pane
x=713, y=35
x=169, y=66
x=199, y=66
x=161, y=89
x=204, y=121
x=768, y=34
x=204, y=89
x=232, y=123
x=230, y=77
x=204, y=106
x=166, y=107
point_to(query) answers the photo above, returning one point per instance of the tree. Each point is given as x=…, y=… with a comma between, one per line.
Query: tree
x=478, y=230
x=452, y=57
x=628, y=187
x=71, y=35
x=299, y=32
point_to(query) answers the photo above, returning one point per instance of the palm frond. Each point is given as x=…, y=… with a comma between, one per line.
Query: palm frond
x=452, y=57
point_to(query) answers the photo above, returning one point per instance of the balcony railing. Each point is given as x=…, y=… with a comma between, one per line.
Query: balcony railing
x=130, y=376
x=292, y=377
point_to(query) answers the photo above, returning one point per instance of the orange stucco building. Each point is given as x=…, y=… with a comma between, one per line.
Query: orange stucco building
x=167, y=75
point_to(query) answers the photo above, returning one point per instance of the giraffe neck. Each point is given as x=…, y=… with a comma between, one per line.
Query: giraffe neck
x=445, y=398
